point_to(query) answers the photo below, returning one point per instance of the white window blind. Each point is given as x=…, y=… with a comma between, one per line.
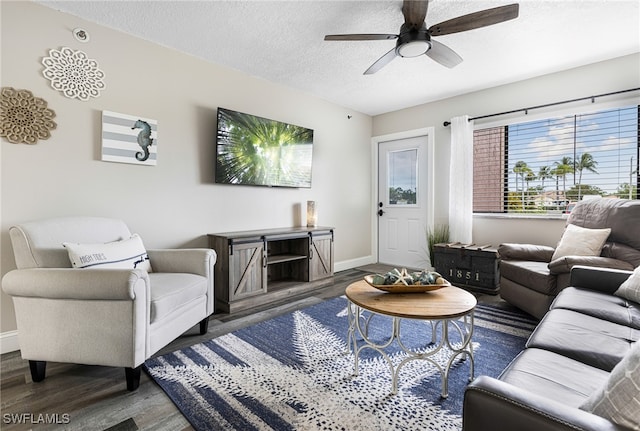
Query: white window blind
x=545, y=166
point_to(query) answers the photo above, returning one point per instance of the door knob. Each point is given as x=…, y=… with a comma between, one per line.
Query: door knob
x=380, y=212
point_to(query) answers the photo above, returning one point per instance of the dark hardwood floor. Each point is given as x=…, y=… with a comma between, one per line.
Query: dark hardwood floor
x=82, y=397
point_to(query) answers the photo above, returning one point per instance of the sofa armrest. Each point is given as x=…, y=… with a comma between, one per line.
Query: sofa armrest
x=69, y=283
x=599, y=279
x=537, y=253
x=198, y=261
x=491, y=404
x=564, y=264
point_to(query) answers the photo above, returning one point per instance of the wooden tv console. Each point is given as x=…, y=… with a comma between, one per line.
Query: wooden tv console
x=262, y=266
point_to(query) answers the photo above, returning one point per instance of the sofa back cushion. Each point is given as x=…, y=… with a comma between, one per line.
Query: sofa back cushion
x=38, y=244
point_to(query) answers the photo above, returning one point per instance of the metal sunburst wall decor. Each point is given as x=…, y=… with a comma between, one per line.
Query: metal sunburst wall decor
x=73, y=73
x=23, y=117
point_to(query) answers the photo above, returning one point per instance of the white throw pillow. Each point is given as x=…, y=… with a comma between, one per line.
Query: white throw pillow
x=580, y=241
x=630, y=289
x=125, y=254
x=619, y=399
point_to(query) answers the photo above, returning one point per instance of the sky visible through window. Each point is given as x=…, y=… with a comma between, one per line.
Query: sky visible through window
x=610, y=137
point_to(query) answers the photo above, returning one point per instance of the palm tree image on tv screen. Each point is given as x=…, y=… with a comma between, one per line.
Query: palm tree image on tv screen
x=251, y=150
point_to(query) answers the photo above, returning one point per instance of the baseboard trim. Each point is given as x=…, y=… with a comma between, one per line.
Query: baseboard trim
x=353, y=263
x=9, y=342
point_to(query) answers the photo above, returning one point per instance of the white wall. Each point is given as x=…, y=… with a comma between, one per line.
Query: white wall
x=608, y=76
x=176, y=203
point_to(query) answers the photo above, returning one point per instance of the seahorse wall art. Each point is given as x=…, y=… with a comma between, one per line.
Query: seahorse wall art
x=129, y=139
x=144, y=139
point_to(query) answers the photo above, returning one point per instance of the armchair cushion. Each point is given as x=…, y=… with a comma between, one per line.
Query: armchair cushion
x=580, y=241
x=171, y=291
x=530, y=273
x=124, y=254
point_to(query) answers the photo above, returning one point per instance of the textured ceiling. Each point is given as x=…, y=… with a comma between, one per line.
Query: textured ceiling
x=282, y=42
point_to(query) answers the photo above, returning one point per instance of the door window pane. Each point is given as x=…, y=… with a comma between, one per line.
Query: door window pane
x=403, y=177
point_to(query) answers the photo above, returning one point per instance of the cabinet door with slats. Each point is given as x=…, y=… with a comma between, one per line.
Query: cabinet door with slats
x=321, y=256
x=247, y=270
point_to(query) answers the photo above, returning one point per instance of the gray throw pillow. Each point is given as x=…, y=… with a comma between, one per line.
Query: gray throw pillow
x=630, y=289
x=619, y=399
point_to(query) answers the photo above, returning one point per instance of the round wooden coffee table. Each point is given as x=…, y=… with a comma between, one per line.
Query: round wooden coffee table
x=444, y=308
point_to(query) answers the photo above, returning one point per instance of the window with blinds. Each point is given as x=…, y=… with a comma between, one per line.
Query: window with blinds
x=546, y=166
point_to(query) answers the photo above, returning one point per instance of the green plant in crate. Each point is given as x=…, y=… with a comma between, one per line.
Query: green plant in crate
x=436, y=235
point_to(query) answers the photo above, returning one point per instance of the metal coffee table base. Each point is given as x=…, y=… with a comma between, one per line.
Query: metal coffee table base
x=359, y=325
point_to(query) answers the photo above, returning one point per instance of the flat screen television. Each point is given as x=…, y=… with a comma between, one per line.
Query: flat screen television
x=257, y=151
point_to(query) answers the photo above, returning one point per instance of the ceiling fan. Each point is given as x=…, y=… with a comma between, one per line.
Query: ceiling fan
x=416, y=39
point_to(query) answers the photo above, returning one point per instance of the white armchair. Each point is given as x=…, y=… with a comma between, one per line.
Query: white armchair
x=111, y=317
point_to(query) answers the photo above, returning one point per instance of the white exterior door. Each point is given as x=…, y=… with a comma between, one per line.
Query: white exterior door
x=404, y=207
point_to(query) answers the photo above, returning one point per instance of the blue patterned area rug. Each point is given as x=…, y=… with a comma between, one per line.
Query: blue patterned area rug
x=294, y=372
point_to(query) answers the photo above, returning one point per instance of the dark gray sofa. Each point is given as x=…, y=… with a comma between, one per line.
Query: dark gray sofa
x=568, y=357
x=530, y=279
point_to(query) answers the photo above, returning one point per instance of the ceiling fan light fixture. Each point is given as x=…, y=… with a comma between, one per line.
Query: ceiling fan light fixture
x=414, y=38
x=414, y=48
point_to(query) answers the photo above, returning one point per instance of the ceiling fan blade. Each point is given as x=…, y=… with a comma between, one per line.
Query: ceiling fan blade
x=381, y=62
x=444, y=55
x=474, y=20
x=360, y=36
x=414, y=12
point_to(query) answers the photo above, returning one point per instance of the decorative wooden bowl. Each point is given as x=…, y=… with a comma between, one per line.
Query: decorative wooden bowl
x=403, y=288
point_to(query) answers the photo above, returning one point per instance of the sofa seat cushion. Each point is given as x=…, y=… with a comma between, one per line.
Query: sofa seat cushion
x=534, y=275
x=600, y=305
x=554, y=376
x=587, y=339
x=170, y=291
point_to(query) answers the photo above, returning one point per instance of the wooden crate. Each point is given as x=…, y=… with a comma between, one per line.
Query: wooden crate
x=472, y=267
